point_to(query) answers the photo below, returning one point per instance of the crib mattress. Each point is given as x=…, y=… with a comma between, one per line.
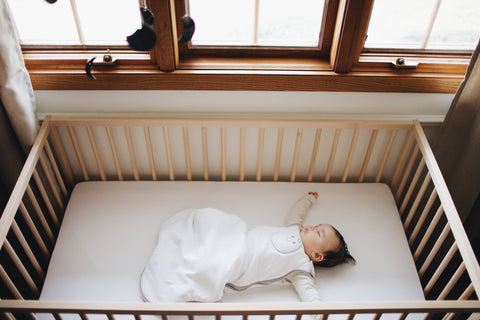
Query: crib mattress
x=110, y=228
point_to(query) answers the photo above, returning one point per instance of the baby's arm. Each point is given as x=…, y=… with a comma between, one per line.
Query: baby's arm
x=304, y=285
x=300, y=209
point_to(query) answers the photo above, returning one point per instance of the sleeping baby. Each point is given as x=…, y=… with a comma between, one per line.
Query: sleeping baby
x=200, y=252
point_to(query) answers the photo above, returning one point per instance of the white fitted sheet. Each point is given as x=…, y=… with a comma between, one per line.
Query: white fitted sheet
x=110, y=230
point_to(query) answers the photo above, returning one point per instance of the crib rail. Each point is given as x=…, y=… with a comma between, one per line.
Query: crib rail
x=70, y=150
x=373, y=310
x=228, y=149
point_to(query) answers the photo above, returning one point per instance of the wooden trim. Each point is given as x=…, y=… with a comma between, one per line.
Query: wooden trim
x=350, y=32
x=245, y=81
x=165, y=52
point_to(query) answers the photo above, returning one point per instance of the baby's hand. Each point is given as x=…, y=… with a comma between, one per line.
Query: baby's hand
x=315, y=194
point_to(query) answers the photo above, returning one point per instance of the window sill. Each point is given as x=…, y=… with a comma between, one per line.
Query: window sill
x=135, y=72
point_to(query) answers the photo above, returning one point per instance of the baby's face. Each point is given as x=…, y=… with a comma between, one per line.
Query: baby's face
x=319, y=239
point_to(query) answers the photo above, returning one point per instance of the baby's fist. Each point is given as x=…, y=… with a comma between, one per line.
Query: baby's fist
x=315, y=194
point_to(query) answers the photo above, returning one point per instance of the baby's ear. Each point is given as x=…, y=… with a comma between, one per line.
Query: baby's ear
x=317, y=256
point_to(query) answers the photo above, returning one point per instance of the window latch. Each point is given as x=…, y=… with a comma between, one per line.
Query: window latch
x=402, y=63
x=106, y=60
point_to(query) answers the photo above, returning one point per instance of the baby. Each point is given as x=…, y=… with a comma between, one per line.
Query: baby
x=201, y=252
x=322, y=244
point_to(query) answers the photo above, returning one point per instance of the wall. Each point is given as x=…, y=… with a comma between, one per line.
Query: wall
x=425, y=107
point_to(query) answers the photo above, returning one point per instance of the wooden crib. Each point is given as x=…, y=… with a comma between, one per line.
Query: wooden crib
x=69, y=150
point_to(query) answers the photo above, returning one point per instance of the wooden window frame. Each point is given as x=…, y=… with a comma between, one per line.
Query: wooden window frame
x=339, y=66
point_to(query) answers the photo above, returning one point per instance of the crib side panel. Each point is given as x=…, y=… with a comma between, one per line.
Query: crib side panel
x=232, y=149
x=446, y=263
x=243, y=311
x=31, y=220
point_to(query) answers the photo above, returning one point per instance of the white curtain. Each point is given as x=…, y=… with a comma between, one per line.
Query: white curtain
x=16, y=92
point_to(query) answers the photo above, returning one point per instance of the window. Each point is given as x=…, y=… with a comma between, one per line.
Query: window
x=309, y=45
x=277, y=23
x=434, y=25
x=85, y=23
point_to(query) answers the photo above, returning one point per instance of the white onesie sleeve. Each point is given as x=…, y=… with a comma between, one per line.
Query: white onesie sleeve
x=304, y=285
x=300, y=210
x=303, y=282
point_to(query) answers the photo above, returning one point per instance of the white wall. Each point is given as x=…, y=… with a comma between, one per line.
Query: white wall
x=425, y=107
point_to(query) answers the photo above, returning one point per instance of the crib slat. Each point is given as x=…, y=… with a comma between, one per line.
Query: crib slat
x=78, y=152
x=385, y=155
x=83, y=316
x=467, y=293
x=46, y=200
x=403, y=316
x=20, y=267
x=168, y=151
x=452, y=282
x=296, y=154
x=411, y=187
x=93, y=143
x=407, y=172
x=9, y=283
x=377, y=316
x=434, y=250
x=261, y=141
x=56, y=171
x=418, y=198
x=428, y=232
x=131, y=151
x=223, y=169
x=278, y=153
x=57, y=316
x=33, y=229
x=242, y=155
x=333, y=151
x=205, y=153
x=113, y=148
x=151, y=158
x=368, y=154
x=51, y=183
x=26, y=248
x=40, y=214
x=353, y=144
x=438, y=272
x=313, y=159
x=7, y=316
x=62, y=157
x=186, y=147
x=407, y=144
x=423, y=216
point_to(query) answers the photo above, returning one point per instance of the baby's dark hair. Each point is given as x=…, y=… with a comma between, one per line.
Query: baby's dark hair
x=333, y=258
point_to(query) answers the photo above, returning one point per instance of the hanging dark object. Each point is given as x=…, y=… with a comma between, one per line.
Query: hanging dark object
x=88, y=68
x=51, y=1
x=145, y=38
x=188, y=29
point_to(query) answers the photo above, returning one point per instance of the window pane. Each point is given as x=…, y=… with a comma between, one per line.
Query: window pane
x=290, y=23
x=457, y=25
x=102, y=22
x=108, y=21
x=256, y=22
x=406, y=24
x=39, y=22
x=398, y=24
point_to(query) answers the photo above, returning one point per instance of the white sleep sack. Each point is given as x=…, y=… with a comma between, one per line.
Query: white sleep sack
x=200, y=251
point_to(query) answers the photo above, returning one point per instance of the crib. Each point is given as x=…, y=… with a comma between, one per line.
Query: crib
x=70, y=150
